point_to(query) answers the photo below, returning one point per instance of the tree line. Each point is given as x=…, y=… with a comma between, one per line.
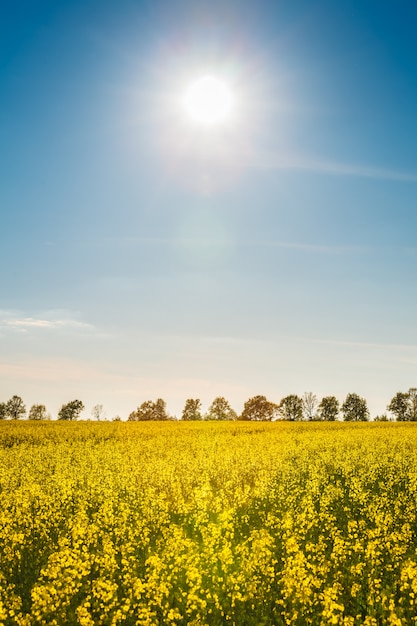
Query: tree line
x=402, y=407
x=15, y=409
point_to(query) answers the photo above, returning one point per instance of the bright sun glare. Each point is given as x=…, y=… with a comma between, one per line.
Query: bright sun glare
x=208, y=100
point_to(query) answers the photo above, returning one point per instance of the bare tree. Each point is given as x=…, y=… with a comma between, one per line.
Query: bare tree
x=309, y=401
x=412, y=392
x=98, y=413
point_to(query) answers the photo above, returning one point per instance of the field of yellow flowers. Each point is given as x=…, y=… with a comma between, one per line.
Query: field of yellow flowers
x=247, y=524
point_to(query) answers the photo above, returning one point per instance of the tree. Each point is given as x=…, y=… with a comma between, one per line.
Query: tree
x=309, y=401
x=98, y=413
x=404, y=406
x=259, y=409
x=161, y=410
x=399, y=406
x=15, y=408
x=355, y=408
x=328, y=409
x=149, y=411
x=221, y=410
x=38, y=412
x=3, y=410
x=381, y=418
x=291, y=408
x=412, y=392
x=192, y=410
x=71, y=411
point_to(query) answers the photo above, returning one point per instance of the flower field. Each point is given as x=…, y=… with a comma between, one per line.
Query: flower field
x=247, y=524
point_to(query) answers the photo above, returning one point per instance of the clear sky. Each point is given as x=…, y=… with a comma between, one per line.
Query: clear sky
x=143, y=257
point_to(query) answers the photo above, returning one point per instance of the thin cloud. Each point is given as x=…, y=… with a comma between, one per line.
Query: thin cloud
x=252, y=243
x=18, y=322
x=30, y=322
x=305, y=247
x=361, y=344
x=329, y=167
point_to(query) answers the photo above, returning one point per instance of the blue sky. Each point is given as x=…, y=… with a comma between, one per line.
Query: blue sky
x=142, y=257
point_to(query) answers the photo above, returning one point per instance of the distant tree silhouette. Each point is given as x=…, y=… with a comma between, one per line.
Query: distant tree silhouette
x=3, y=410
x=38, y=412
x=291, y=408
x=404, y=406
x=400, y=406
x=71, y=411
x=328, y=409
x=381, y=418
x=150, y=411
x=221, y=410
x=192, y=410
x=259, y=409
x=16, y=408
x=355, y=408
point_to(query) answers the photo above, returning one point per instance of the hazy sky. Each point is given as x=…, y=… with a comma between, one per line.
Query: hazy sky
x=143, y=256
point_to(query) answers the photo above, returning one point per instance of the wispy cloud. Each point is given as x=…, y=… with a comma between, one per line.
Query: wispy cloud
x=235, y=244
x=327, y=167
x=234, y=159
x=362, y=344
x=305, y=247
x=30, y=322
x=18, y=321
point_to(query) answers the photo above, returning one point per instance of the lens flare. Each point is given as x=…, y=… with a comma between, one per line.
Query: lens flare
x=208, y=100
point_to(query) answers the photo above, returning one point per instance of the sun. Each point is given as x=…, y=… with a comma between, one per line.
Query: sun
x=208, y=101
